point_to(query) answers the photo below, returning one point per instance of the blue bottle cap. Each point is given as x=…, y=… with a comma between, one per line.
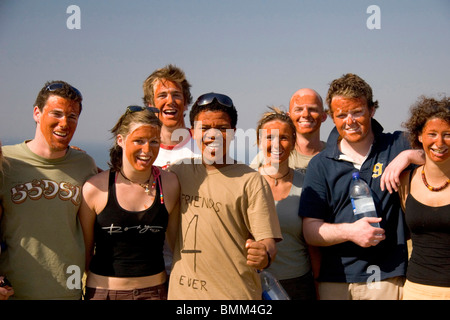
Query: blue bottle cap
x=355, y=175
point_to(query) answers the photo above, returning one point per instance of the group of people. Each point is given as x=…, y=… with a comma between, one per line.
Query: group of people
x=175, y=217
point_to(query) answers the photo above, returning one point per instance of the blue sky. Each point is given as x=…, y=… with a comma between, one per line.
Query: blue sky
x=257, y=52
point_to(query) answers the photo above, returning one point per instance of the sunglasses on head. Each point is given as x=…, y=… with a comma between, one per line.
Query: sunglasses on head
x=59, y=85
x=208, y=98
x=131, y=109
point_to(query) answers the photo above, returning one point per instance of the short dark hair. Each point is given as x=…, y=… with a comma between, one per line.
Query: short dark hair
x=65, y=91
x=275, y=114
x=215, y=105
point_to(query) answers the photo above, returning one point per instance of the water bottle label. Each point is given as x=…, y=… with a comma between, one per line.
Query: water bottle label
x=361, y=206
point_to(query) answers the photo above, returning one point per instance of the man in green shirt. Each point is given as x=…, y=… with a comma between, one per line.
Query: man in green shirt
x=40, y=192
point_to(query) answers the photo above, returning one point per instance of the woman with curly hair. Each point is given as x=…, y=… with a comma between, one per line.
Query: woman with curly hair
x=425, y=195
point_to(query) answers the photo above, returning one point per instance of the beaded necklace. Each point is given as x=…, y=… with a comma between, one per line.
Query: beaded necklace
x=155, y=173
x=431, y=188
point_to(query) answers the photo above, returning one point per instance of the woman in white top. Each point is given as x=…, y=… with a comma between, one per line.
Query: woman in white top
x=292, y=266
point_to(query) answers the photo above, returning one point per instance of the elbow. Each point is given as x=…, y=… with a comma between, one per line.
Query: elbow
x=311, y=228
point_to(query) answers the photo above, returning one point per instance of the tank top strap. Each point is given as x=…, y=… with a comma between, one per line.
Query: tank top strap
x=112, y=187
x=409, y=182
x=157, y=176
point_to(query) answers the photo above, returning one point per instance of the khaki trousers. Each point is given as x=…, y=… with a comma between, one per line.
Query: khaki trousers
x=389, y=289
x=417, y=291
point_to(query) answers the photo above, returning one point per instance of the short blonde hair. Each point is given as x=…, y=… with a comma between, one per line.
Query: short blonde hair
x=275, y=114
x=167, y=73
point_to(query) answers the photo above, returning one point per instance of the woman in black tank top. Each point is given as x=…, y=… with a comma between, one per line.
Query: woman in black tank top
x=425, y=195
x=126, y=212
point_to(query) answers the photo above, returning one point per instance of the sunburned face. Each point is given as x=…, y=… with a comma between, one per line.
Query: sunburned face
x=435, y=138
x=169, y=99
x=140, y=146
x=213, y=133
x=276, y=141
x=306, y=112
x=352, y=118
x=57, y=122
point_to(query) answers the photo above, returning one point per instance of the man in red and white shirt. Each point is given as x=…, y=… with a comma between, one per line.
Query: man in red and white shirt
x=168, y=90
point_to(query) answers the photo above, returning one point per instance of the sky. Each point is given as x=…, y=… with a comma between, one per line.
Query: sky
x=257, y=52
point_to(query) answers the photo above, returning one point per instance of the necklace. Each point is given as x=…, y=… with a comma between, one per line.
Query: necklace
x=144, y=185
x=276, y=179
x=431, y=188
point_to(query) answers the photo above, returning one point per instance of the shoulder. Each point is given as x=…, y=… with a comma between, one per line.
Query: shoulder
x=13, y=150
x=80, y=156
x=251, y=180
x=320, y=160
x=395, y=137
x=169, y=178
x=98, y=182
x=242, y=173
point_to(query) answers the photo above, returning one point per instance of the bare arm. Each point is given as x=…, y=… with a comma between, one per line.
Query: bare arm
x=390, y=178
x=173, y=225
x=171, y=190
x=87, y=215
x=94, y=199
x=320, y=233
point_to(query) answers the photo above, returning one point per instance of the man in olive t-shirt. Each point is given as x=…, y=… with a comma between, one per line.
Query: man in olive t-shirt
x=40, y=192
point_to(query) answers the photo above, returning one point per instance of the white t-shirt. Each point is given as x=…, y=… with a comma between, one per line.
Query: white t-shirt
x=170, y=154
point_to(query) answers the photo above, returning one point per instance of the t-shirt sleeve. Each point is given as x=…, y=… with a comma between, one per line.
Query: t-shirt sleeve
x=261, y=212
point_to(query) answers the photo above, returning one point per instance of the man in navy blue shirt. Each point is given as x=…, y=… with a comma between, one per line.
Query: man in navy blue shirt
x=358, y=261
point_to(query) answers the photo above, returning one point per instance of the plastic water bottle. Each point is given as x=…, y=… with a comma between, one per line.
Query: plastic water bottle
x=362, y=201
x=272, y=289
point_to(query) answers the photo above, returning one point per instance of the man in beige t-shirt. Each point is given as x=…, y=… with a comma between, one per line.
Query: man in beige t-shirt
x=228, y=224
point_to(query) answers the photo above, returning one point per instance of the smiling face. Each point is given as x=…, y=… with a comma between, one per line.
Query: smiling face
x=213, y=133
x=435, y=139
x=169, y=99
x=306, y=111
x=56, y=123
x=276, y=141
x=140, y=146
x=352, y=118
